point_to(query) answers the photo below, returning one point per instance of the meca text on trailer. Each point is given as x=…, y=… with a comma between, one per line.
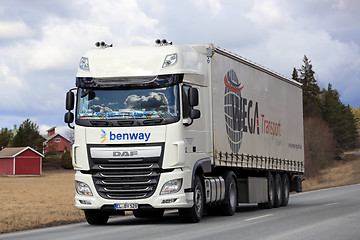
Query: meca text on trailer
x=184, y=127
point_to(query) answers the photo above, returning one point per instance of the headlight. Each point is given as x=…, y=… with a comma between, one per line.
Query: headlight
x=84, y=64
x=83, y=188
x=170, y=60
x=172, y=186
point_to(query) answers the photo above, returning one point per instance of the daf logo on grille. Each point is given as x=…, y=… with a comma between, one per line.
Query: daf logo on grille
x=125, y=153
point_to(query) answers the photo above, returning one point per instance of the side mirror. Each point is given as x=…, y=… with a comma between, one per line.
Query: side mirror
x=69, y=117
x=70, y=96
x=193, y=97
x=194, y=114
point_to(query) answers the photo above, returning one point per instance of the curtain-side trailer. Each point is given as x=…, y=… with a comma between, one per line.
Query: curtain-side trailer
x=189, y=127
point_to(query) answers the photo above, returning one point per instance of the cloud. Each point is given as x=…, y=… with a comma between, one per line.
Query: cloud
x=155, y=101
x=42, y=42
x=14, y=30
x=39, y=60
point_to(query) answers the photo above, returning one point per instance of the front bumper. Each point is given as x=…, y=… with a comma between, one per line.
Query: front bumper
x=180, y=199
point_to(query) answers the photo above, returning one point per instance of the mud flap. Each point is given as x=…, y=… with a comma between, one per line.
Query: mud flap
x=296, y=184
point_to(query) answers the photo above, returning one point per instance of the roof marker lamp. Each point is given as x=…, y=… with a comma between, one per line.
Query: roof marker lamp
x=83, y=189
x=84, y=64
x=170, y=60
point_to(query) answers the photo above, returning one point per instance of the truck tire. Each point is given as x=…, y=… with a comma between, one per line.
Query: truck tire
x=154, y=213
x=286, y=189
x=195, y=213
x=278, y=190
x=228, y=208
x=96, y=217
x=271, y=192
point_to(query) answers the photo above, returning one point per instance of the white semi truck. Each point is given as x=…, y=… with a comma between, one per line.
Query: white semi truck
x=189, y=127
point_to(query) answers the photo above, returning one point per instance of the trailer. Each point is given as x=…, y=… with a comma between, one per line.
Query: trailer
x=190, y=127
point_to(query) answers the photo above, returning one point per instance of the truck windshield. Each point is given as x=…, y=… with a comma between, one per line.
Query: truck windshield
x=135, y=104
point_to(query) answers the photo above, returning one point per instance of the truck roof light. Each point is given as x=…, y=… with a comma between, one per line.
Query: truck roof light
x=84, y=64
x=163, y=42
x=170, y=60
x=103, y=44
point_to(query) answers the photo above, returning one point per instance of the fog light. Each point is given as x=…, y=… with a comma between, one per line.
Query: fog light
x=83, y=189
x=85, y=202
x=171, y=200
x=172, y=186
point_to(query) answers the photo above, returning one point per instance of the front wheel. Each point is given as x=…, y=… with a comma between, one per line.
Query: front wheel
x=195, y=213
x=96, y=217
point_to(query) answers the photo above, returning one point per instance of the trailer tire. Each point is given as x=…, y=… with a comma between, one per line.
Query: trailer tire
x=286, y=190
x=228, y=208
x=195, y=213
x=271, y=192
x=96, y=217
x=154, y=213
x=278, y=190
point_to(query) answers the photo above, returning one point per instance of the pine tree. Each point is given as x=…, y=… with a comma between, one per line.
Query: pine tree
x=340, y=119
x=6, y=137
x=295, y=75
x=28, y=135
x=311, y=90
x=356, y=113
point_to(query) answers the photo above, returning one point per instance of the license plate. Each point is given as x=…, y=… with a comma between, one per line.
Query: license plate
x=126, y=206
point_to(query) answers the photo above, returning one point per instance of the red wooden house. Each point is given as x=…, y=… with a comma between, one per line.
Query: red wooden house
x=20, y=161
x=55, y=142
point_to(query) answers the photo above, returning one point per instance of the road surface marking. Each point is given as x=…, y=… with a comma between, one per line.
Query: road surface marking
x=259, y=217
x=330, y=204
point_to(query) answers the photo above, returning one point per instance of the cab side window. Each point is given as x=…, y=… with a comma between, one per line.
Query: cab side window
x=185, y=98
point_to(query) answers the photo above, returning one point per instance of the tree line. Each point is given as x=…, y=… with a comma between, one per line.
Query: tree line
x=330, y=126
x=26, y=135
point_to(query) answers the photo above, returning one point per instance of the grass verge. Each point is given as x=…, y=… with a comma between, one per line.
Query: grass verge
x=33, y=202
x=340, y=173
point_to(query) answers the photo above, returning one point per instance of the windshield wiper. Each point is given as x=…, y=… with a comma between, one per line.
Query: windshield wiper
x=124, y=122
x=99, y=122
x=151, y=121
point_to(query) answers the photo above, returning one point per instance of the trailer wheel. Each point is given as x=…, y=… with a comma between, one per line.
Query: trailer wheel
x=96, y=217
x=278, y=190
x=195, y=213
x=271, y=192
x=286, y=190
x=154, y=213
x=228, y=208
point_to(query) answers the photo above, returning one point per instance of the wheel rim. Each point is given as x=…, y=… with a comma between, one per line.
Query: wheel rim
x=271, y=191
x=278, y=190
x=232, y=195
x=198, y=200
x=286, y=188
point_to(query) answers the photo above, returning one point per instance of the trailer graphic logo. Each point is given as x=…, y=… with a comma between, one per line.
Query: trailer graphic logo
x=241, y=114
x=103, y=136
x=127, y=136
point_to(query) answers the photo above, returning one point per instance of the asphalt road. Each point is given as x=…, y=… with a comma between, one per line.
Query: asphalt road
x=325, y=214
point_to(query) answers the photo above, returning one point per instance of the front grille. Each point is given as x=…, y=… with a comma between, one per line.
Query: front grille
x=124, y=178
x=126, y=181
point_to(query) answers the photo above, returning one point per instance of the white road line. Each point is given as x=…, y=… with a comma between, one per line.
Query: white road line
x=259, y=217
x=330, y=204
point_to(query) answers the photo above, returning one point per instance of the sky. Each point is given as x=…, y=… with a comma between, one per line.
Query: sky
x=41, y=42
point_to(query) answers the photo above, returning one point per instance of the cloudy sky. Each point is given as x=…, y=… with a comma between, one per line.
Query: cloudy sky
x=41, y=42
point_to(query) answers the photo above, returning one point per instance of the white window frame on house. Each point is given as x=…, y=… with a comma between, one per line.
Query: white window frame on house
x=57, y=140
